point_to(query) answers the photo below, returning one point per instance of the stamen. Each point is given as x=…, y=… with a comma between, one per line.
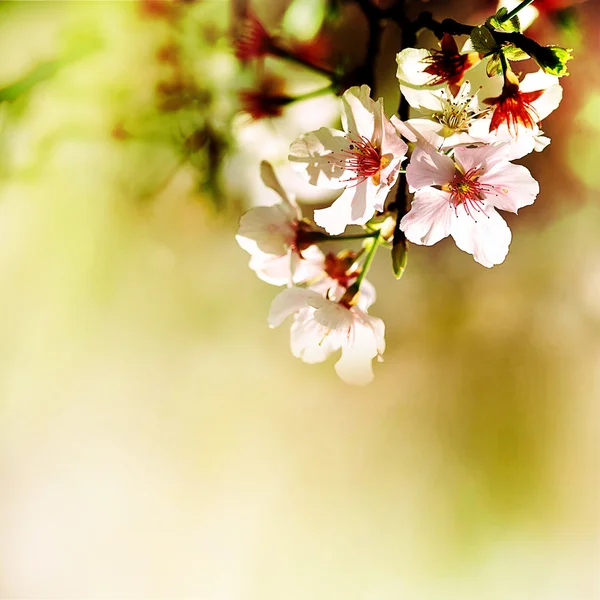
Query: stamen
x=361, y=157
x=468, y=191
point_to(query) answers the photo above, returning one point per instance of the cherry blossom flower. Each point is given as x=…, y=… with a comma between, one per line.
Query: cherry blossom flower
x=458, y=197
x=418, y=67
x=447, y=117
x=267, y=100
x=253, y=40
x=322, y=326
x=451, y=119
x=524, y=103
x=364, y=159
x=278, y=240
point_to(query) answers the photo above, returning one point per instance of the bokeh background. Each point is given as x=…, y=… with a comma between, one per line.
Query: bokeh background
x=157, y=440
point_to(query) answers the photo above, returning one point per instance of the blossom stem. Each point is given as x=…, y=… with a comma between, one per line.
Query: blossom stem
x=288, y=55
x=358, y=236
x=318, y=92
x=368, y=260
x=516, y=10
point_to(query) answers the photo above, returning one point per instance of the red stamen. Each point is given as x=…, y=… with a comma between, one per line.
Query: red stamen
x=447, y=65
x=513, y=107
x=466, y=190
x=265, y=102
x=361, y=157
x=253, y=41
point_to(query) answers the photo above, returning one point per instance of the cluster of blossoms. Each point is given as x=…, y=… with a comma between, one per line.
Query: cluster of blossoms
x=472, y=116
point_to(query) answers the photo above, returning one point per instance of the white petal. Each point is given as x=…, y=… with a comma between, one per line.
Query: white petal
x=548, y=102
x=271, y=229
x=429, y=218
x=334, y=317
x=514, y=186
x=358, y=111
x=540, y=80
x=275, y=270
x=519, y=144
x=428, y=168
x=551, y=97
x=487, y=237
x=309, y=340
x=311, y=265
x=311, y=154
x=355, y=206
x=410, y=67
x=289, y=301
x=367, y=295
x=425, y=130
x=267, y=174
x=422, y=99
x=355, y=364
x=541, y=141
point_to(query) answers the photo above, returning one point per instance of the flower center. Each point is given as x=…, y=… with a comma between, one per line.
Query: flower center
x=513, y=107
x=455, y=115
x=446, y=68
x=466, y=190
x=362, y=158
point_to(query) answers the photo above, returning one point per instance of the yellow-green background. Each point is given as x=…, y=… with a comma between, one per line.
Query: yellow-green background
x=157, y=440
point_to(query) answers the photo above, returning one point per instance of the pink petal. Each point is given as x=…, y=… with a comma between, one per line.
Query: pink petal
x=481, y=157
x=514, y=187
x=428, y=168
x=429, y=218
x=487, y=237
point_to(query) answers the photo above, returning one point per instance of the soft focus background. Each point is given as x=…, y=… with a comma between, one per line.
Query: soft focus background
x=159, y=441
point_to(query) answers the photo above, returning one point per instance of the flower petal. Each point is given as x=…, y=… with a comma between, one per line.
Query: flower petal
x=290, y=301
x=309, y=340
x=481, y=157
x=514, y=186
x=410, y=67
x=311, y=154
x=355, y=364
x=428, y=167
x=355, y=206
x=267, y=174
x=487, y=238
x=269, y=228
x=550, y=99
x=272, y=269
x=359, y=110
x=429, y=218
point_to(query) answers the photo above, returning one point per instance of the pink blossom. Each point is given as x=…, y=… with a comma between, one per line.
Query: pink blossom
x=458, y=197
x=322, y=326
x=278, y=239
x=364, y=159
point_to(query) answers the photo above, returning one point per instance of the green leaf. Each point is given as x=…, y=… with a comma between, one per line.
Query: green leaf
x=483, y=40
x=513, y=53
x=494, y=66
x=400, y=256
x=44, y=71
x=553, y=59
x=499, y=22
